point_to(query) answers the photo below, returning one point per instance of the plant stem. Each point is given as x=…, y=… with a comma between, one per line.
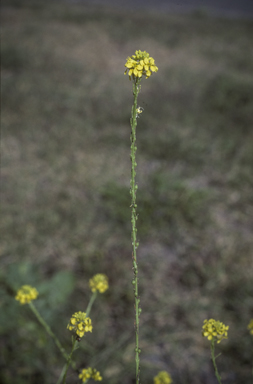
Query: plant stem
x=92, y=299
x=61, y=375
x=49, y=331
x=214, y=363
x=68, y=361
x=133, y=189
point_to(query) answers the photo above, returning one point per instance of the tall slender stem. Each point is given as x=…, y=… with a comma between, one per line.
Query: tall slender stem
x=133, y=189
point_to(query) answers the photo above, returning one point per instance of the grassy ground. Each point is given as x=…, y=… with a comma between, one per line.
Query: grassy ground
x=65, y=190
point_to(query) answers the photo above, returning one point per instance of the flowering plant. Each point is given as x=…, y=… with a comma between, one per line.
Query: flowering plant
x=90, y=373
x=163, y=377
x=80, y=323
x=216, y=330
x=26, y=294
x=99, y=283
x=140, y=64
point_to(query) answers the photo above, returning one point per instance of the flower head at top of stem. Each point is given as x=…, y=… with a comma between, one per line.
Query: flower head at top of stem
x=250, y=327
x=163, y=377
x=90, y=373
x=80, y=323
x=99, y=282
x=216, y=330
x=26, y=294
x=140, y=64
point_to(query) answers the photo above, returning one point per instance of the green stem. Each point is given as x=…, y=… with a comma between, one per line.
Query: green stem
x=133, y=189
x=61, y=375
x=49, y=331
x=252, y=369
x=68, y=361
x=214, y=363
x=92, y=299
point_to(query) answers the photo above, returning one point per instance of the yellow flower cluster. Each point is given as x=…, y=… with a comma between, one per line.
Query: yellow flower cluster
x=99, y=283
x=80, y=324
x=163, y=377
x=140, y=64
x=213, y=329
x=26, y=294
x=250, y=327
x=90, y=373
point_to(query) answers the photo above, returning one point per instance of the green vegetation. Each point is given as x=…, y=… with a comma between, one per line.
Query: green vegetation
x=65, y=190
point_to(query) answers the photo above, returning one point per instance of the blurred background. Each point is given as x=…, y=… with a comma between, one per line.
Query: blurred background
x=65, y=175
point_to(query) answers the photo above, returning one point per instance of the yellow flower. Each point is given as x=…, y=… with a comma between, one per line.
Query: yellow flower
x=250, y=327
x=26, y=294
x=80, y=324
x=85, y=374
x=90, y=373
x=96, y=375
x=99, y=283
x=213, y=329
x=163, y=378
x=140, y=64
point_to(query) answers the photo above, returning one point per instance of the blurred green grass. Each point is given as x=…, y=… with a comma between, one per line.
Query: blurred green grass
x=65, y=189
